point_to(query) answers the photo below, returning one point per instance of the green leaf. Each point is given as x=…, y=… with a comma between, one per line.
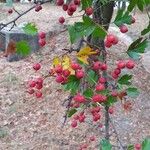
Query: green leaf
x=23, y=48
x=110, y=100
x=137, y=47
x=122, y=18
x=103, y=92
x=92, y=77
x=30, y=29
x=88, y=93
x=145, y=31
x=125, y=79
x=105, y=145
x=132, y=5
x=132, y=92
x=86, y=3
x=71, y=112
x=130, y=147
x=99, y=32
x=72, y=84
x=146, y=144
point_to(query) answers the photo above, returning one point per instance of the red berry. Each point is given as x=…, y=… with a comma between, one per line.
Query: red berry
x=61, y=20
x=96, y=117
x=77, y=2
x=123, y=29
x=58, y=69
x=81, y=118
x=110, y=38
x=89, y=11
x=115, y=41
x=96, y=65
x=137, y=146
x=115, y=76
x=75, y=66
x=111, y=110
x=59, y=79
x=117, y=71
x=79, y=74
x=65, y=7
x=74, y=123
x=60, y=2
x=97, y=109
x=32, y=84
x=42, y=42
x=121, y=64
x=69, y=13
x=97, y=98
x=10, y=11
x=102, y=80
x=36, y=66
x=72, y=8
x=76, y=117
x=79, y=98
x=42, y=35
x=30, y=91
x=103, y=67
x=107, y=44
x=66, y=72
x=133, y=20
x=100, y=87
x=39, y=81
x=39, y=86
x=38, y=94
x=130, y=64
x=38, y=7
x=92, y=138
x=84, y=146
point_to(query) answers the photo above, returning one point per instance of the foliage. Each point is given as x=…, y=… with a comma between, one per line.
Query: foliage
x=30, y=29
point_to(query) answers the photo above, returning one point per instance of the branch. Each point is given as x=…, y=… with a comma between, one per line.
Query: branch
x=20, y=15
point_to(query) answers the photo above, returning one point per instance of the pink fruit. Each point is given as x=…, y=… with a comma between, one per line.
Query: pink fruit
x=38, y=7
x=65, y=7
x=115, y=41
x=97, y=98
x=66, y=72
x=111, y=110
x=102, y=80
x=110, y=38
x=79, y=98
x=130, y=64
x=74, y=123
x=121, y=64
x=100, y=87
x=42, y=35
x=103, y=67
x=58, y=69
x=117, y=71
x=61, y=20
x=37, y=66
x=79, y=74
x=39, y=86
x=133, y=20
x=89, y=11
x=70, y=13
x=137, y=146
x=96, y=117
x=39, y=80
x=96, y=65
x=92, y=138
x=72, y=8
x=107, y=44
x=81, y=118
x=115, y=76
x=10, y=11
x=42, y=42
x=38, y=94
x=123, y=29
x=75, y=66
x=60, y=2
x=30, y=91
x=114, y=93
x=76, y=117
x=59, y=79
x=77, y=2
x=32, y=84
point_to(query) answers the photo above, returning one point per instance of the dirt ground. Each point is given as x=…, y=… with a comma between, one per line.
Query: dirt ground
x=30, y=124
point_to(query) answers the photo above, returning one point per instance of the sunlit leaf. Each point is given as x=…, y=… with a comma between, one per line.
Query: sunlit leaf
x=30, y=29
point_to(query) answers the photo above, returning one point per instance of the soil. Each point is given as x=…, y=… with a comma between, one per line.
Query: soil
x=27, y=123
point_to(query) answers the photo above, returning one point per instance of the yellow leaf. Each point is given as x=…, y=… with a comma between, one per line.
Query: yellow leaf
x=84, y=54
x=56, y=61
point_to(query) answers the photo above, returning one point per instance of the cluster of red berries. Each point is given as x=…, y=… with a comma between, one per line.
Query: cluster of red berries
x=42, y=39
x=71, y=8
x=122, y=65
x=111, y=40
x=36, y=85
x=38, y=7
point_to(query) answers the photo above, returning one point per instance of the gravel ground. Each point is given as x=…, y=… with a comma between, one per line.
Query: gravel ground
x=30, y=124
